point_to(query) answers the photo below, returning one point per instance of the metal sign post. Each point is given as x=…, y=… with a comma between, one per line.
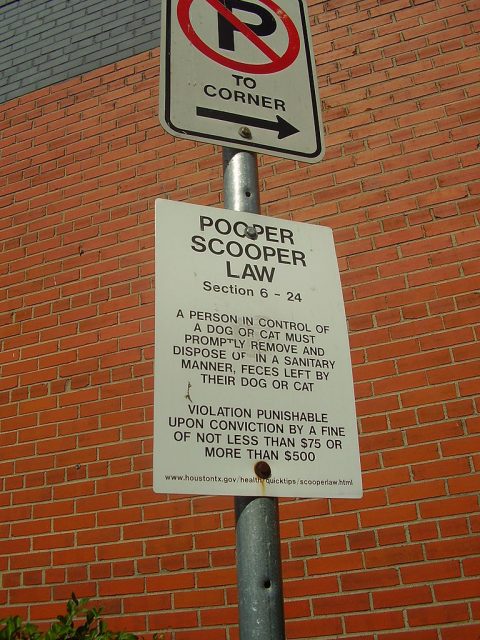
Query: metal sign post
x=259, y=569
x=230, y=338
x=259, y=574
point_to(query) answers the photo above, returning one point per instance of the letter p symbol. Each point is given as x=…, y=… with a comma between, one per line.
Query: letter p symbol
x=226, y=30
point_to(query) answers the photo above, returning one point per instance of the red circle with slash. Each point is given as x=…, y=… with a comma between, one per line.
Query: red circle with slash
x=276, y=62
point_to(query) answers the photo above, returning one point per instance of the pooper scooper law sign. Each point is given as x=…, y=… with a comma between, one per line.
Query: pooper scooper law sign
x=253, y=380
x=241, y=73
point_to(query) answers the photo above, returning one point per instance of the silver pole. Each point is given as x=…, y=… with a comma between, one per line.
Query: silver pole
x=240, y=181
x=259, y=569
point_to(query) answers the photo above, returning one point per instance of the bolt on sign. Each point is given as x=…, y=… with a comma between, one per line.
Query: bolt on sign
x=241, y=74
x=253, y=379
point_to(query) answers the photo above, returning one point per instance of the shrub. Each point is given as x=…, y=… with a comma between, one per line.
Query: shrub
x=64, y=628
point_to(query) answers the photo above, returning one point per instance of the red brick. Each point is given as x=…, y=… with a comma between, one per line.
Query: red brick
x=423, y=531
x=303, y=548
x=319, y=627
x=198, y=598
x=411, y=634
x=354, y=581
x=334, y=604
x=169, y=583
x=448, y=507
x=39, y=594
x=467, y=484
x=329, y=524
x=402, y=597
x=334, y=564
x=454, y=527
x=466, y=445
x=123, y=586
x=374, y=621
x=412, y=454
x=441, y=468
x=174, y=620
x=216, y=577
x=452, y=548
x=201, y=634
x=418, y=491
x=393, y=555
x=433, y=432
x=440, y=614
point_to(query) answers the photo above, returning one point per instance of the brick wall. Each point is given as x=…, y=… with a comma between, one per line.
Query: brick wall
x=82, y=162
x=47, y=41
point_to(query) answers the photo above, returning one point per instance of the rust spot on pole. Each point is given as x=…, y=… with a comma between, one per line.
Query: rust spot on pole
x=262, y=470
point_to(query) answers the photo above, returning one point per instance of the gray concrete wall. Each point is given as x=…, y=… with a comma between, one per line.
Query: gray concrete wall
x=47, y=41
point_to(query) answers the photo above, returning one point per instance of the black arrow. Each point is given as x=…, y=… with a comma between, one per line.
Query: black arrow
x=283, y=127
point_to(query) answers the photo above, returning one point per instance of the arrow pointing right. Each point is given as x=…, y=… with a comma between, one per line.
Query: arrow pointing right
x=283, y=127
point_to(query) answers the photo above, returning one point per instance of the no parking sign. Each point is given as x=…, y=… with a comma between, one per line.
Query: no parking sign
x=241, y=73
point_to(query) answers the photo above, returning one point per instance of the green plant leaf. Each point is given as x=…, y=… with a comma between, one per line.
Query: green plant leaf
x=64, y=627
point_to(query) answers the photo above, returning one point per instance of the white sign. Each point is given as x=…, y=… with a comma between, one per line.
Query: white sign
x=252, y=362
x=241, y=73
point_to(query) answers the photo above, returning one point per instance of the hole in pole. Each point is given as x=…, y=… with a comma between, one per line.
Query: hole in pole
x=267, y=584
